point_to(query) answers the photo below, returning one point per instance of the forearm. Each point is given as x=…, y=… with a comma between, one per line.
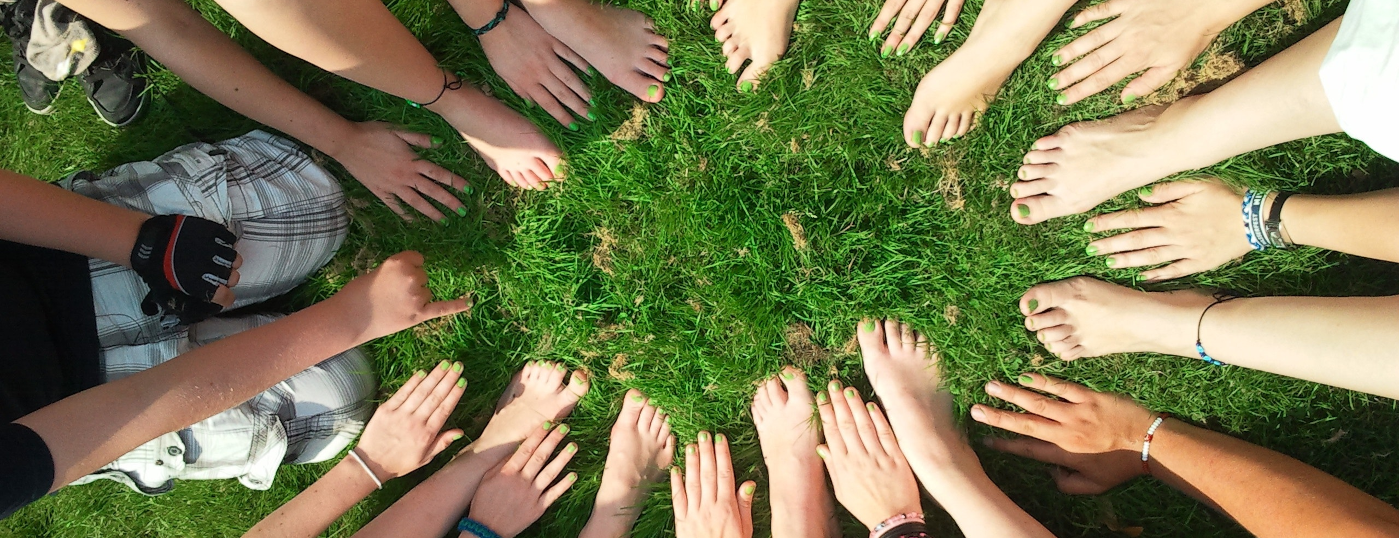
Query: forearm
x=433, y=508
x=1360, y=224
x=1345, y=342
x=953, y=476
x=92, y=428
x=314, y=510
x=47, y=216
x=1296, y=500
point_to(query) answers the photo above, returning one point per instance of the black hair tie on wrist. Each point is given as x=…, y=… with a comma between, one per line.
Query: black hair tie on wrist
x=499, y=16
x=447, y=84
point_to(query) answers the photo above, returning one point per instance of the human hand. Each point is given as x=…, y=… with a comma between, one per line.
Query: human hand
x=1082, y=421
x=532, y=63
x=188, y=263
x=706, y=505
x=1160, y=38
x=393, y=297
x=1075, y=474
x=405, y=431
x=914, y=18
x=383, y=160
x=1195, y=228
x=512, y=498
x=868, y=470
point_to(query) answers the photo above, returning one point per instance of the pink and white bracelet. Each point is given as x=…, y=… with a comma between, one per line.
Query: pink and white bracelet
x=1146, y=441
x=884, y=526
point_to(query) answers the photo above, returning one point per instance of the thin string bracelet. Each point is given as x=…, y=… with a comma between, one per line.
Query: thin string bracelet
x=447, y=84
x=1146, y=441
x=1200, y=346
x=354, y=452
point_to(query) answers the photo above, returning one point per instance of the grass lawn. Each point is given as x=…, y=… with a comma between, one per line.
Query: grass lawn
x=666, y=261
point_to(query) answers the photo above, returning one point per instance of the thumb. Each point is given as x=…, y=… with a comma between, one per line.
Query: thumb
x=1169, y=192
x=1148, y=82
x=446, y=308
x=745, y=504
x=445, y=439
x=421, y=140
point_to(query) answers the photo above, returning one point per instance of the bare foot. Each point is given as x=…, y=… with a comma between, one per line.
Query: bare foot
x=532, y=62
x=509, y=143
x=783, y=412
x=640, y=449
x=1086, y=163
x=1084, y=317
x=622, y=44
x=949, y=97
x=756, y=30
x=536, y=394
x=913, y=19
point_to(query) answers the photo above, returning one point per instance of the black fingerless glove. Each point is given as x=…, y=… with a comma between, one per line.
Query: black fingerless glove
x=183, y=260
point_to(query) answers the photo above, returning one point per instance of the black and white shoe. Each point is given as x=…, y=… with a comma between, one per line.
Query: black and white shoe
x=116, y=85
x=37, y=90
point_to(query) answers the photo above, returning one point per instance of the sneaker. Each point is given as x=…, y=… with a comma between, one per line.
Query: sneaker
x=37, y=90
x=116, y=85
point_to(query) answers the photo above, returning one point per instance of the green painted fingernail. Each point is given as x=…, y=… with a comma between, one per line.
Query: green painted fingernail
x=461, y=383
x=703, y=436
x=714, y=5
x=939, y=36
x=918, y=138
x=870, y=407
x=665, y=77
x=821, y=452
x=592, y=101
x=651, y=91
x=1025, y=379
x=564, y=429
x=885, y=53
x=591, y=116
x=1061, y=99
x=591, y=71
x=821, y=397
x=456, y=367
x=436, y=140
x=548, y=425
x=746, y=86
x=1034, y=303
x=868, y=326
x=1111, y=262
x=570, y=448
x=786, y=375
x=748, y=489
x=873, y=36
x=1146, y=191
x=419, y=373
x=573, y=126
x=1091, y=250
x=444, y=365
x=902, y=49
x=1056, y=60
x=1053, y=84
x=637, y=397
x=445, y=222
x=1128, y=99
x=571, y=477
x=461, y=211
x=720, y=438
x=850, y=392
x=1069, y=24
x=456, y=437
x=1023, y=209
x=1088, y=226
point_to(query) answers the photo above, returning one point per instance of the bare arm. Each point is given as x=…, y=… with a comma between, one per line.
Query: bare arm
x=1359, y=224
x=314, y=510
x=433, y=508
x=46, y=216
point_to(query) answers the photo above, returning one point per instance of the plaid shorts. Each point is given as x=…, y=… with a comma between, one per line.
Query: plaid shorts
x=289, y=215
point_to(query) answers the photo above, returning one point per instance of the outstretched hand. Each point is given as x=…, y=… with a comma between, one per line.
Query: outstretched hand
x=513, y=498
x=706, y=505
x=1194, y=228
x=393, y=297
x=406, y=430
x=911, y=19
x=1159, y=38
x=868, y=470
x=1097, y=436
x=383, y=160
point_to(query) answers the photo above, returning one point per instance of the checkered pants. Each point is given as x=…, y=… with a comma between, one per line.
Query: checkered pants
x=289, y=216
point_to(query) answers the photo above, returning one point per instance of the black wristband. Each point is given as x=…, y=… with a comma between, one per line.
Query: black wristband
x=183, y=260
x=1273, y=224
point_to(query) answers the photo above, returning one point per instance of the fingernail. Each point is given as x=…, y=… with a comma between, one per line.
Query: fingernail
x=821, y=452
x=456, y=367
x=436, y=140
x=591, y=71
x=748, y=490
x=918, y=138
x=1128, y=99
x=867, y=326
x=1023, y=209
x=1146, y=191
x=445, y=222
x=902, y=49
x=665, y=77
x=571, y=477
x=570, y=448
x=885, y=53
x=746, y=86
x=987, y=441
x=1091, y=250
x=564, y=429
x=667, y=419
x=461, y=383
x=873, y=36
x=1061, y=99
x=456, y=437
x=690, y=450
x=1056, y=61
x=720, y=438
x=786, y=375
x=443, y=365
x=1088, y=226
x=548, y=425
x=977, y=414
x=461, y=211
x=651, y=91
x=1053, y=84
x=419, y=373
x=714, y=5
x=821, y=397
x=1025, y=379
x=703, y=436
x=850, y=392
x=1069, y=24
x=573, y=126
x=591, y=116
x=939, y=36
x=638, y=397
x=1111, y=262
x=993, y=388
x=870, y=407
x=1034, y=303
x=833, y=385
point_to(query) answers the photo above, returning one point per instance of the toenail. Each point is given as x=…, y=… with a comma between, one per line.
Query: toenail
x=1040, y=337
x=573, y=126
x=918, y=138
x=939, y=36
x=1022, y=174
x=1014, y=193
x=559, y=367
x=821, y=397
x=867, y=326
x=1128, y=99
x=746, y=86
x=1091, y=250
x=1061, y=99
x=651, y=91
x=1111, y=262
x=902, y=49
x=786, y=375
x=436, y=140
x=884, y=53
x=1146, y=191
x=665, y=77
x=1025, y=379
x=637, y=397
x=1056, y=61
x=1053, y=84
x=714, y=5
x=1029, y=324
x=1034, y=303
x=1088, y=226
x=1024, y=210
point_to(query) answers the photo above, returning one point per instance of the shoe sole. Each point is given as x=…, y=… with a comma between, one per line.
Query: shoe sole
x=50, y=108
x=140, y=107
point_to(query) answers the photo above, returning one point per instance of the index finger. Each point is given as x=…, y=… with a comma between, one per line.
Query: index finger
x=402, y=393
x=725, y=467
x=1027, y=447
x=1034, y=403
x=1068, y=390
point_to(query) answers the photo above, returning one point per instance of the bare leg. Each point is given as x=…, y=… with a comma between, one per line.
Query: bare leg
x=802, y=504
x=360, y=40
x=756, y=30
x=1346, y=342
x=907, y=381
x=640, y=449
x=949, y=97
x=1085, y=164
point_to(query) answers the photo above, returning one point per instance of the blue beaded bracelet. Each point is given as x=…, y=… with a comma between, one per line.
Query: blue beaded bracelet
x=476, y=528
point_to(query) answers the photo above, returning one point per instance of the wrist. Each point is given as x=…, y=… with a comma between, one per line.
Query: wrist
x=478, y=13
x=1296, y=214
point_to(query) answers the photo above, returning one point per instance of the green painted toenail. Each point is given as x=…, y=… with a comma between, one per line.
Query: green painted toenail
x=939, y=36
x=1053, y=84
x=637, y=397
x=885, y=53
x=1056, y=60
x=1088, y=226
x=821, y=397
x=665, y=77
x=867, y=326
x=651, y=91
x=461, y=211
x=786, y=375
x=1061, y=99
x=1026, y=379
x=573, y=126
x=1146, y=191
x=591, y=116
x=1091, y=250
x=1128, y=99
x=902, y=49
x=714, y=5
x=746, y=86
x=1111, y=262
x=918, y=138
x=1023, y=209
x=436, y=140
x=1034, y=303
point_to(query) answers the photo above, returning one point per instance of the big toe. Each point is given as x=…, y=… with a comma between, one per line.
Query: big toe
x=870, y=334
x=1050, y=295
x=578, y=384
x=794, y=380
x=632, y=405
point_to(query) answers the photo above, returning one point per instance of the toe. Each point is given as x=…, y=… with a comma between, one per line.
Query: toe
x=531, y=371
x=916, y=122
x=578, y=384
x=1076, y=352
x=775, y=392
x=632, y=405
x=748, y=80
x=893, y=335
x=966, y=125
x=555, y=375
x=736, y=59
x=1044, y=297
x=1054, y=335
x=1026, y=189
x=907, y=338
x=1030, y=172
x=1053, y=141
x=949, y=131
x=1045, y=320
x=657, y=422
x=1032, y=210
x=647, y=414
x=794, y=380
x=870, y=333
x=1042, y=156
x=935, y=128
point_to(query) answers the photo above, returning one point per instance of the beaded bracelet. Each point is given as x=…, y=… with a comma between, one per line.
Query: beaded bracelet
x=1146, y=441
x=1199, y=345
x=1253, y=219
x=895, y=521
x=476, y=528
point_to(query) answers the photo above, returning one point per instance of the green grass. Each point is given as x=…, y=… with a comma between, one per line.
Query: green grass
x=703, y=285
